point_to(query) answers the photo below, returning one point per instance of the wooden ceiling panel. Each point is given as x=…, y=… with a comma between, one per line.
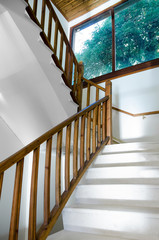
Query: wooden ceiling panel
x=72, y=9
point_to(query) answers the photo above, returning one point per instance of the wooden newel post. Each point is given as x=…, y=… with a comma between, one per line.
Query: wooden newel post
x=80, y=84
x=109, y=110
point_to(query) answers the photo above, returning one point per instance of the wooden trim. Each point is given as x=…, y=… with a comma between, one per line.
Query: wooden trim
x=45, y=230
x=47, y=181
x=135, y=114
x=99, y=125
x=14, y=223
x=88, y=94
x=88, y=138
x=109, y=110
x=58, y=168
x=94, y=130
x=67, y=158
x=10, y=161
x=113, y=40
x=82, y=142
x=33, y=195
x=127, y=71
x=75, y=149
x=104, y=121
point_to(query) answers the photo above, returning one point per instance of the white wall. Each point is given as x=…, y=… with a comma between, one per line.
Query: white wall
x=136, y=93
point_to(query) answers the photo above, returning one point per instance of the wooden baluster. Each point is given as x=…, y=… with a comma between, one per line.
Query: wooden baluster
x=1, y=183
x=75, y=149
x=61, y=49
x=67, y=158
x=35, y=7
x=88, y=94
x=94, y=130
x=47, y=181
x=58, y=168
x=33, y=195
x=14, y=223
x=50, y=26
x=43, y=14
x=109, y=110
x=104, y=121
x=66, y=61
x=71, y=67
x=97, y=98
x=97, y=94
x=80, y=84
x=75, y=80
x=88, y=143
x=99, y=125
x=56, y=37
x=82, y=142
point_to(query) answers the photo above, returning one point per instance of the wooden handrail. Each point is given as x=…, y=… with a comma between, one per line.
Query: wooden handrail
x=57, y=41
x=94, y=84
x=98, y=136
x=7, y=163
x=135, y=114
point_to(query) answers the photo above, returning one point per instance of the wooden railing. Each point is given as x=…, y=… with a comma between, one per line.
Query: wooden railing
x=55, y=38
x=88, y=96
x=93, y=136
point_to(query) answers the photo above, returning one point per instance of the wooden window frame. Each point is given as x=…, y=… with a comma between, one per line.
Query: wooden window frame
x=124, y=71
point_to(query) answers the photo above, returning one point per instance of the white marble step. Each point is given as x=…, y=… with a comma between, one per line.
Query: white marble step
x=131, y=147
x=121, y=194
x=132, y=223
x=70, y=235
x=126, y=172
x=124, y=159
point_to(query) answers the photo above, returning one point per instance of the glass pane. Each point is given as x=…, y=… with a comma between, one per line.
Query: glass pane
x=93, y=46
x=137, y=32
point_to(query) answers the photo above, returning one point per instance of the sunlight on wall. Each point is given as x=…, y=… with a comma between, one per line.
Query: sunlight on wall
x=12, y=52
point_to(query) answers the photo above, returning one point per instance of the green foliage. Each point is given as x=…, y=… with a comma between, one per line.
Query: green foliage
x=137, y=39
x=137, y=28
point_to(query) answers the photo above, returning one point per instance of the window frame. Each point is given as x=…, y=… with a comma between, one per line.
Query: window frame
x=115, y=73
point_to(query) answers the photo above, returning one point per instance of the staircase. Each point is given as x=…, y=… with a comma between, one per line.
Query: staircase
x=118, y=198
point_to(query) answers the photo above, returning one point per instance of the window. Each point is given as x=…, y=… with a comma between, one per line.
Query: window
x=135, y=34
x=89, y=47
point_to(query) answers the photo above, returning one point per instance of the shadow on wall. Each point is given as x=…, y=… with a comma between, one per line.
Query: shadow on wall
x=131, y=129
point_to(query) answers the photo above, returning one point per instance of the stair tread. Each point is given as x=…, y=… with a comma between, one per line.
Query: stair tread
x=146, y=211
x=127, y=192
x=126, y=159
x=121, y=172
x=131, y=147
x=70, y=235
